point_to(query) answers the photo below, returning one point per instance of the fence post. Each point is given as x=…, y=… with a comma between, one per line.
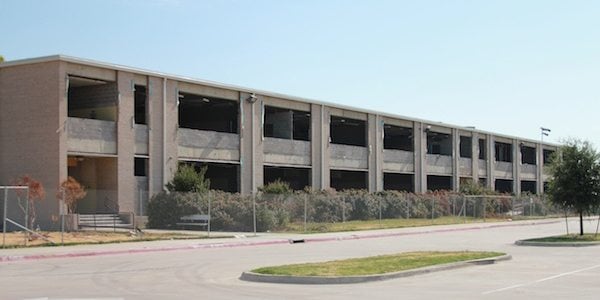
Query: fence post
x=305, y=210
x=209, y=216
x=380, y=224
x=62, y=218
x=432, y=208
x=4, y=217
x=25, y=233
x=254, y=212
x=343, y=209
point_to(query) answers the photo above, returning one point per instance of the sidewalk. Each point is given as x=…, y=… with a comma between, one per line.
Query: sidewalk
x=237, y=239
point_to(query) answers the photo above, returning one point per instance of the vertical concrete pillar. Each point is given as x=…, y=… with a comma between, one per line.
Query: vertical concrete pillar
x=375, y=147
x=455, y=160
x=326, y=156
x=420, y=147
x=251, y=143
x=125, y=143
x=155, y=135
x=491, y=162
x=475, y=157
x=516, y=166
x=539, y=150
x=318, y=144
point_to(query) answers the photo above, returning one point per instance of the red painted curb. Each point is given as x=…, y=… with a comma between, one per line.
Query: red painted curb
x=16, y=258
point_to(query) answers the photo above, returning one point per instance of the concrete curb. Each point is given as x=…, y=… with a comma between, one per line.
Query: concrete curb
x=255, y=277
x=555, y=244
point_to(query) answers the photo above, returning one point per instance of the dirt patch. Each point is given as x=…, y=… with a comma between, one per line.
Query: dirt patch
x=19, y=239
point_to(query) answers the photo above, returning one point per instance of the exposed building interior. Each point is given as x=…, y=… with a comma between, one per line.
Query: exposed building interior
x=466, y=146
x=438, y=183
x=140, y=166
x=346, y=131
x=297, y=178
x=399, y=182
x=99, y=177
x=222, y=176
x=528, y=155
x=547, y=156
x=482, y=149
x=504, y=185
x=503, y=152
x=286, y=123
x=439, y=143
x=92, y=99
x=397, y=138
x=207, y=113
x=141, y=107
x=528, y=186
x=345, y=180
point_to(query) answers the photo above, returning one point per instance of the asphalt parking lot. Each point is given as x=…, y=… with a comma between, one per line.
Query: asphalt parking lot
x=210, y=268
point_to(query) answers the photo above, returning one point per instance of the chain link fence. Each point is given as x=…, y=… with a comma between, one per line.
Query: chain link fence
x=337, y=211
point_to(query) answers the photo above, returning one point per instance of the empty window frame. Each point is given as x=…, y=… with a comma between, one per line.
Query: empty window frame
x=504, y=186
x=346, y=131
x=140, y=166
x=547, y=155
x=528, y=155
x=528, y=186
x=398, y=182
x=345, y=180
x=397, y=138
x=222, y=176
x=503, y=152
x=286, y=123
x=466, y=146
x=208, y=113
x=141, y=99
x=438, y=183
x=482, y=149
x=439, y=143
x=297, y=178
x=92, y=99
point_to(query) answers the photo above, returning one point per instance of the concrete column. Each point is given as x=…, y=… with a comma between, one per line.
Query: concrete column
x=516, y=167
x=420, y=147
x=455, y=160
x=155, y=135
x=539, y=150
x=475, y=157
x=375, y=147
x=491, y=162
x=319, y=144
x=251, y=144
x=125, y=143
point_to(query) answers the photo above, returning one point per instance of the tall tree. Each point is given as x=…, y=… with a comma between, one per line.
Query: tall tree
x=575, y=183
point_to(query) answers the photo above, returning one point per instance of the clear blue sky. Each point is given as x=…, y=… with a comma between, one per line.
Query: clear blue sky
x=503, y=66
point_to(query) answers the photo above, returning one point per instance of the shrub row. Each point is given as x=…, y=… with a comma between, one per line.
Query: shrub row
x=234, y=212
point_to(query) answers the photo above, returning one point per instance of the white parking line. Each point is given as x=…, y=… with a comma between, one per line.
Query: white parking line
x=540, y=280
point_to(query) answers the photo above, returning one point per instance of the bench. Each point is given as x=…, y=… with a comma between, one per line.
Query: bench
x=194, y=220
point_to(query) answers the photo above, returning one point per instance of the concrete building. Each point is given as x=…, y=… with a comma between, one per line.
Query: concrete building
x=121, y=132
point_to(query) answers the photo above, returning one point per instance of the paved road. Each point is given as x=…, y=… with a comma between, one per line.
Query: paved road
x=212, y=272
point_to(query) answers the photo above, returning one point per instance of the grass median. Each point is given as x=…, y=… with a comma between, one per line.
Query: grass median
x=376, y=264
x=567, y=238
x=383, y=224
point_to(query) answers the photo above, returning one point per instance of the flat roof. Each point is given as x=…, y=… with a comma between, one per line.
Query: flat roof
x=99, y=64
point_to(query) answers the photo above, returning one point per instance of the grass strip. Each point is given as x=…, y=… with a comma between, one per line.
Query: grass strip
x=383, y=224
x=375, y=265
x=570, y=238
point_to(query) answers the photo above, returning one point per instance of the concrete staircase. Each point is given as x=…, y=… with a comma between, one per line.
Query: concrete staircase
x=102, y=221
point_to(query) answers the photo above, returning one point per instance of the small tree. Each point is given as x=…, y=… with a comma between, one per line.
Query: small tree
x=575, y=183
x=1, y=59
x=36, y=193
x=72, y=191
x=186, y=179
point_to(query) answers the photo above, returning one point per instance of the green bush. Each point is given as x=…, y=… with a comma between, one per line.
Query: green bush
x=165, y=209
x=186, y=179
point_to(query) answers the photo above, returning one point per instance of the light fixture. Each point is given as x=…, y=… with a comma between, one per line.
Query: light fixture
x=252, y=98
